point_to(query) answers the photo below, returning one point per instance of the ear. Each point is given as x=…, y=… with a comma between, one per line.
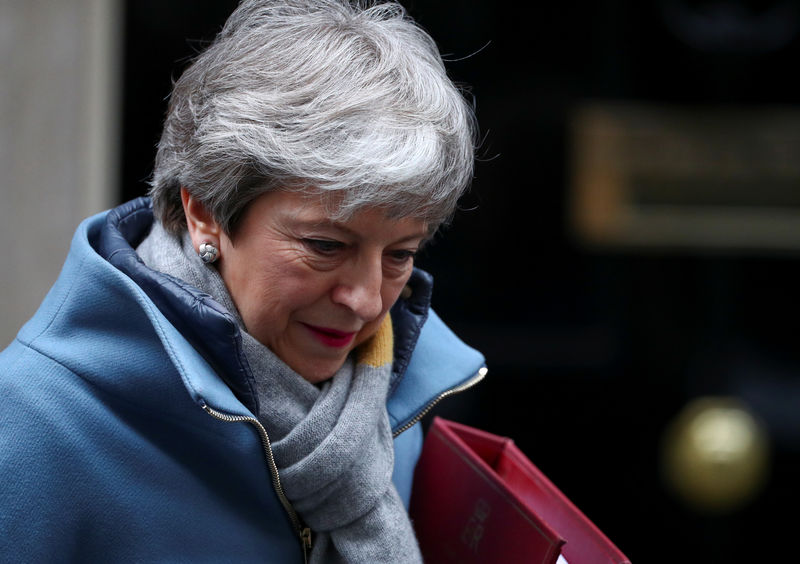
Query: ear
x=202, y=226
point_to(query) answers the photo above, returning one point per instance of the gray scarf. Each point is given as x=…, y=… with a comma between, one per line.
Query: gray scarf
x=332, y=443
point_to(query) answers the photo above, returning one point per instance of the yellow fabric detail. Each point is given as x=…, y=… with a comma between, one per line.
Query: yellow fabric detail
x=379, y=349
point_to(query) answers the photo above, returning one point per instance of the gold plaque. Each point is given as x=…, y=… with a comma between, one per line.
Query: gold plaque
x=686, y=177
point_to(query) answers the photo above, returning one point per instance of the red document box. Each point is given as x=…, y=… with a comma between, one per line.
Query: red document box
x=478, y=499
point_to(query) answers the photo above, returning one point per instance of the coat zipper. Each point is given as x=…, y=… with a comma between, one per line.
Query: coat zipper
x=303, y=532
x=480, y=375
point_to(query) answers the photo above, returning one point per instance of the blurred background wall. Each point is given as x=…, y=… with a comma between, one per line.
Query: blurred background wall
x=627, y=259
x=59, y=138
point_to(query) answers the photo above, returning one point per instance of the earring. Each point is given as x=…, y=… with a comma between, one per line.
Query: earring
x=208, y=252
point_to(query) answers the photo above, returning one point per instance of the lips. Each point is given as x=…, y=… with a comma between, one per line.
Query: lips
x=331, y=337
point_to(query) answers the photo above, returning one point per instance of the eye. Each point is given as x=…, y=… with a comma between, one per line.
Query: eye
x=402, y=256
x=324, y=247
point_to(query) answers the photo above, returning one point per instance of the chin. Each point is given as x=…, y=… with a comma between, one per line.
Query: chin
x=318, y=374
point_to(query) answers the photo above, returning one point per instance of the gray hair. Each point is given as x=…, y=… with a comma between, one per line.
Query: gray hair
x=348, y=98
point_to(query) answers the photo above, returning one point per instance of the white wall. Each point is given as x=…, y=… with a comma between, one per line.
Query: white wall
x=60, y=64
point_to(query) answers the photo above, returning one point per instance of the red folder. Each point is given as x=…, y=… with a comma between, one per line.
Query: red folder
x=478, y=499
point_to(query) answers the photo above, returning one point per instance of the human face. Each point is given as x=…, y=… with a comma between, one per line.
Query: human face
x=312, y=289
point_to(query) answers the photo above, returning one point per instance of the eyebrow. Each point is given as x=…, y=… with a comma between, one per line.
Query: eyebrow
x=423, y=234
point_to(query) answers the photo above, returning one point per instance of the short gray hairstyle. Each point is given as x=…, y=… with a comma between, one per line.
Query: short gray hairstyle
x=349, y=98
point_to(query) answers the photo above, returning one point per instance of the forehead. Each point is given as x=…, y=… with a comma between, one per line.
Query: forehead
x=317, y=211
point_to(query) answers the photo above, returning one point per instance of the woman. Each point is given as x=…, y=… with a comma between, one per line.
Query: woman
x=235, y=371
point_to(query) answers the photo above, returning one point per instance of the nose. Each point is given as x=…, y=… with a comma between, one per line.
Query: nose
x=359, y=288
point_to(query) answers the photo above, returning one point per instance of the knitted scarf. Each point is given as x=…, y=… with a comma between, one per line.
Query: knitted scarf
x=332, y=442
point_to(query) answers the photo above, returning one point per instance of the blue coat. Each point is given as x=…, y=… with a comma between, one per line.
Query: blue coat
x=108, y=450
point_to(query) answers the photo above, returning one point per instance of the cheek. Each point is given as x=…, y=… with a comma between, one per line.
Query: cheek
x=390, y=296
x=285, y=290
x=395, y=286
x=391, y=291
x=262, y=274
x=257, y=287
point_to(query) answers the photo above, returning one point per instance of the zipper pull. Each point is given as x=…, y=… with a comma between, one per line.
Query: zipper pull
x=305, y=539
